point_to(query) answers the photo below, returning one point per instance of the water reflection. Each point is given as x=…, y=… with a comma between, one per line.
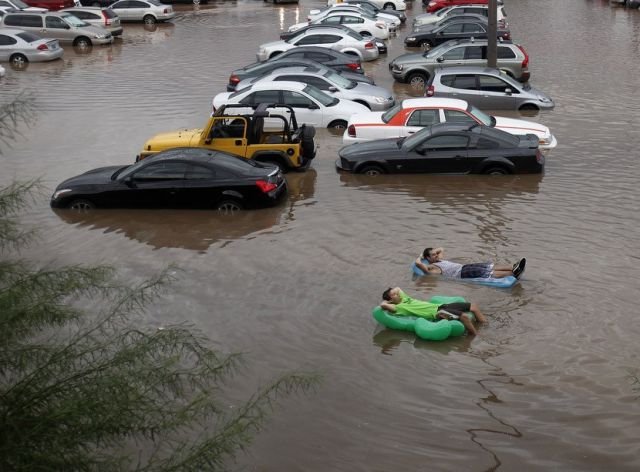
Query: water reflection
x=389, y=339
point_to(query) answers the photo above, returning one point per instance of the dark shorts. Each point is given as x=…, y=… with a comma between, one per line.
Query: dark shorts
x=455, y=308
x=480, y=269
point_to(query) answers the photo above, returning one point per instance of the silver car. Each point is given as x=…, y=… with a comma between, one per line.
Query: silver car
x=20, y=47
x=62, y=26
x=148, y=11
x=333, y=84
x=97, y=16
x=348, y=42
x=488, y=89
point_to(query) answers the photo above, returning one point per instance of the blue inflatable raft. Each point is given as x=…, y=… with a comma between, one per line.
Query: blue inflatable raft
x=502, y=282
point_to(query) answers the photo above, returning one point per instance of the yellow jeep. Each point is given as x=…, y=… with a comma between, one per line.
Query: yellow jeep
x=240, y=129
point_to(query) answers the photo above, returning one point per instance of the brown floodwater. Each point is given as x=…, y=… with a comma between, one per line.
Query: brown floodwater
x=550, y=383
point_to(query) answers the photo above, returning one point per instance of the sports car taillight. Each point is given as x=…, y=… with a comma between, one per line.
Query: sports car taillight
x=234, y=79
x=351, y=130
x=369, y=45
x=354, y=66
x=265, y=187
x=429, y=91
x=43, y=47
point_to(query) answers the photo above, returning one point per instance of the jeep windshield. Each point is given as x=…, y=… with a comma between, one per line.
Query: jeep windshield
x=320, y=96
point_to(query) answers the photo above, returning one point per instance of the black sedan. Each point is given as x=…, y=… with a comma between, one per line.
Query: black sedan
x=446, y=148
x=259, y=69
x=176, y=178
x=431, y=36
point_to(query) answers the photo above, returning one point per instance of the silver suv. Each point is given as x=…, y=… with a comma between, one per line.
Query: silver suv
x=488, y=89
x=62, y=26
x=97, y=16
x=417, y=68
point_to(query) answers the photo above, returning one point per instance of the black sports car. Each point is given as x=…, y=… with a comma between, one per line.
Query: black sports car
x=176, y=178
x=431, y=36
x=446, y=148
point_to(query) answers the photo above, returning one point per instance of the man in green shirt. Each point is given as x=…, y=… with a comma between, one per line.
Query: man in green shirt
x=399, y=303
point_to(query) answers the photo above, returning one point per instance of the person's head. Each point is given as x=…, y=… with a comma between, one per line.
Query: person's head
x=392, y=295
x=432, y=254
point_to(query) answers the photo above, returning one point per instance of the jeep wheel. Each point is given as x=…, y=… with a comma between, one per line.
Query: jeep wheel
x=496, y=171
x=308, y=144
x=229, y=207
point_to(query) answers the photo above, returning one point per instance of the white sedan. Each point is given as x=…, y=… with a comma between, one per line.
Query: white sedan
x=311, y=106
x=393, y=22
x=399, y=5
x=413, y=114
x=364, y=25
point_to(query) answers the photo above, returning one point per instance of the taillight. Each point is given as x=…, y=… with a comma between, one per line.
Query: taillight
x=351, y=130
x=166, y=10
x=354, y=66
x=429, y=91
x=265, y=187
x=539, y=157
x=369, y=45
x=234, y=79
x=380, y=24
x=107, y=21
x=43, y=47
x=525, y=63
x=506, y=36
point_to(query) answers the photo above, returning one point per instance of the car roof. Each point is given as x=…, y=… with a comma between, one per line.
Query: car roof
x=436, y=102
x=284, y=85
x=81, y=8
x=310, y=69
x=13, y=31
x=331, y=52
x=331, y=29
x=469, y=70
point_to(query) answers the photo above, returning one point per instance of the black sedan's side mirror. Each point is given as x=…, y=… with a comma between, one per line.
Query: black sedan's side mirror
x=440, y=59
x=128, y=181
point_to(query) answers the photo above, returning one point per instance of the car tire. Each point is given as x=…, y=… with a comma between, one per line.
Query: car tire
x=19, y=61
x=496, y=170
x=371, y=170
x=337, y=124
x=388, y=6
x=81, y=204
x=417, y=80
x=528, y=107
x=82, y=42
x=149, y=20
x=229, y=206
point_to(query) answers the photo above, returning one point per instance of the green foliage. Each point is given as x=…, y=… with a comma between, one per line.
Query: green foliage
x=90, y=390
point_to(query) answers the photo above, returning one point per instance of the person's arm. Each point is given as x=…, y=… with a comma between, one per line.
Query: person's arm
x=390, y=307
x=427, y=267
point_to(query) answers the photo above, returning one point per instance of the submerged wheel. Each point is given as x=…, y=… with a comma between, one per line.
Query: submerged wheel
x=528, y=107
x=149, y=20
x=19, y=60
x=338, y=124
x=372, y=170
x=496, y=171
x=417, y=80
x=229, y=207
x=389, y=6
x=82, y=42
x=81, y=205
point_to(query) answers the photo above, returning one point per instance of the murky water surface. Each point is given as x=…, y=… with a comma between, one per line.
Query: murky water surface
x=549, y=384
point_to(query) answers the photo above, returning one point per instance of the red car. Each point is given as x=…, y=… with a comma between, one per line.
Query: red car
x=435, y=5
x=52, y=5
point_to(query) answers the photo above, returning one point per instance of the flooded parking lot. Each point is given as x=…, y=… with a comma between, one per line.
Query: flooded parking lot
x=550, y=383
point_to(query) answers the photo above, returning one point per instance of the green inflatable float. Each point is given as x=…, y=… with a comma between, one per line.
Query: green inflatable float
x=425, y=329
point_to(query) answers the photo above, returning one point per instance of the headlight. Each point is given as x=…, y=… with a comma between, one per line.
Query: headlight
x=57, y=193
x=545, y=99
x=398, y=67
x=100, y=36
x=411, y=39
x=379, y=99
x=544, y=141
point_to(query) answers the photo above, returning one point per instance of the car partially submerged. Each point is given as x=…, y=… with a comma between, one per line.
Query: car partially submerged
x=240, y=129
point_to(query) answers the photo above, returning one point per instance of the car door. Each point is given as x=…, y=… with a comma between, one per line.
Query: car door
x=56, y=27
x=480, y=149
x=311, y=40
x=7, y=46
x=307, y=110
x=202, y=187
x=227, y=134
x=156, y=185
x=451, y=31
x=122, y=9
x=495, y=93
x=137, y=9
x=452, y=57
x=418, y=119
x=443, y=153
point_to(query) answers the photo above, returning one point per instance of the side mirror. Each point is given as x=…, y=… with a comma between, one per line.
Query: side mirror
x=508, y=91
x=333, y=89
x=313, y=106
x=128, y=181
x=440, y=59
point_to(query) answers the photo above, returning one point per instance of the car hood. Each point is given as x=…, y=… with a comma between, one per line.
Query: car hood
x=222, y=98
x=350, y=107
x=383, y=148
x=409, y=58
x=171, y=139
x=101, y=175
x=372, y=90
x=272, y=44
x=515, y=126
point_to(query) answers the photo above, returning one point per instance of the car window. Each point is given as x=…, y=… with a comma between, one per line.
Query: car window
x=196, y=172
x=80, y=14
x=25, y=21
x=73, y=20
x=296, y=100
x=453, y=29
x=478, y=11
x=475, y=52
x=445, y=142
x=161, y=171
x=473, y=28
x=494, y=84
x=424, y=118
x=455, y=54
x=456, y=116
x=7, y=40
x=55, y=22
x=262, y=96
x=136, y=4
x=320, y=96
x=463, y=81
x=351, y=20
x=505, y=53
x=122, y=4
x=231, y=165
x=309, y=39
x=5, y=4
x=332, y=20
x=484, y=143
